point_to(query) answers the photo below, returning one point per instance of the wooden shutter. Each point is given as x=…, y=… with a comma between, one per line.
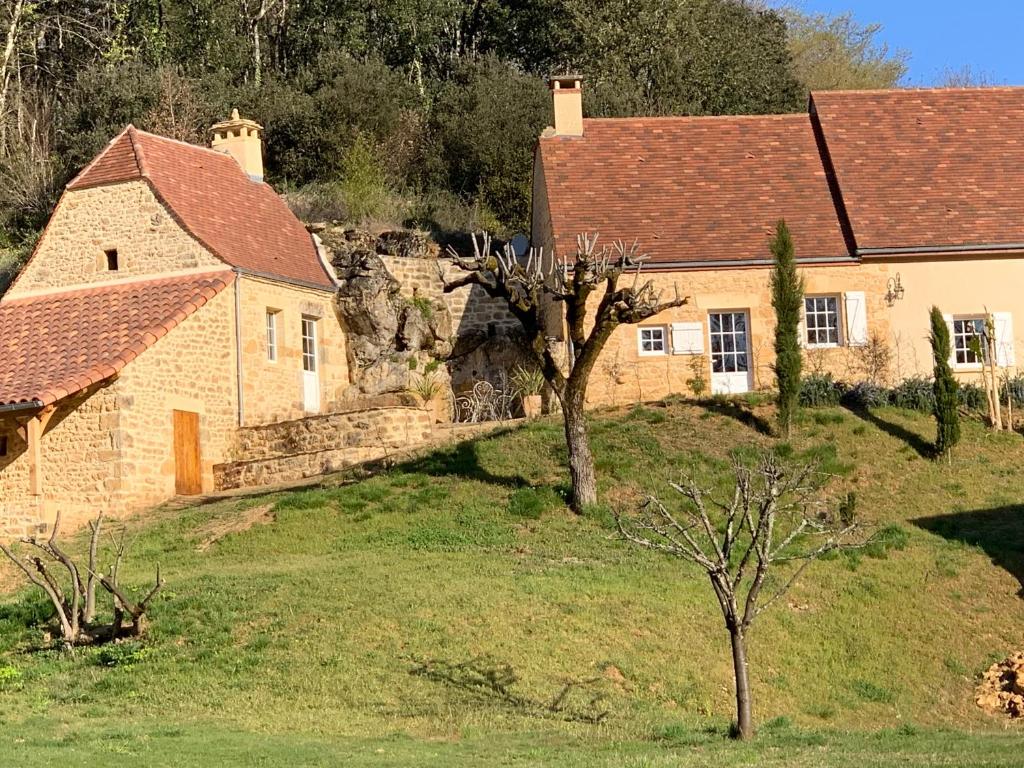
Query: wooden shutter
x=1005, y=353
x=855, y=308
x=687, y=338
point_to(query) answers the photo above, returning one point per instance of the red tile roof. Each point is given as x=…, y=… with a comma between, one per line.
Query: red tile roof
x=928, y=168
x=692, y=189
x=53, y=345
x=241, y=221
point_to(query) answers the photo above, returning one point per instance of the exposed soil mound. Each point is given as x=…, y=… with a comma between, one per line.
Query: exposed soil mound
x=1001, y=691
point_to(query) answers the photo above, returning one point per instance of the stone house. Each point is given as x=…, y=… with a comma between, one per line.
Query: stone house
x=172, y=300
x=897, y=201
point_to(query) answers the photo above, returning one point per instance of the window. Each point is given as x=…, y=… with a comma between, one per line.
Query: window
x=3, y=445
x=111, y=256
x=272, y=335
x=821, y=321
x=651, y=340
x=309, y=344
x=968, y=335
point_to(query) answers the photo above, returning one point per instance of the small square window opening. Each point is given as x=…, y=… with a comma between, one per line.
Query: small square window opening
x=112, y=262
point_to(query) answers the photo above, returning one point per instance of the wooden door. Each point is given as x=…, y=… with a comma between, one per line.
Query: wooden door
x=187, y=473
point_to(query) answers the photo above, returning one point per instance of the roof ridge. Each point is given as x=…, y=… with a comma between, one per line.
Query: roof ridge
x=141, y=280
x=695, y=118
x=182, y=143
x=140, y=157
x=920, y=89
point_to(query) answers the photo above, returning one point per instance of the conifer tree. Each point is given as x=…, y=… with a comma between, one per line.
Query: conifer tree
x=947, y=415
x=787, y=301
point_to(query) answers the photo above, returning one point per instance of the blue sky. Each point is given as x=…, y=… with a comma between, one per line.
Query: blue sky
x=985, y=35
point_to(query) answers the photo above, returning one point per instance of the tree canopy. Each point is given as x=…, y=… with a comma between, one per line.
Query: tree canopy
x=447, y=95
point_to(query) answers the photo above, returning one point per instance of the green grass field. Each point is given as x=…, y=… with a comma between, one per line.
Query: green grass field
x=431, y=614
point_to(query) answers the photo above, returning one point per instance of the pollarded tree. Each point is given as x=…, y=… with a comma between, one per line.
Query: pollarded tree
x=947, y=402
x=533, y=286
x=775, y=524
x=787, y=301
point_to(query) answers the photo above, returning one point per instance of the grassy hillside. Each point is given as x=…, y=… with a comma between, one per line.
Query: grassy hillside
x=429, y=615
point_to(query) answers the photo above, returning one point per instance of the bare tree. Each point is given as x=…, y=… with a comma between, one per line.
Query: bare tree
x=74, y=600
x=775, y=521
x=532, y=286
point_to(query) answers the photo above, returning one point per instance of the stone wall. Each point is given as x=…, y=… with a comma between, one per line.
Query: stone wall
x=87, y=222
x=471, y=309
x=293, y=450
x=192, y=369
x=272, y=390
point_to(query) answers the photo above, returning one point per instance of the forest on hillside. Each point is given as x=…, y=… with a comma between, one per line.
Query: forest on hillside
x=417, y=112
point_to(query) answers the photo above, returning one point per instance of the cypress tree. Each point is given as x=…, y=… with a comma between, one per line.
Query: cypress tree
x=787, y=300
x=947, y=415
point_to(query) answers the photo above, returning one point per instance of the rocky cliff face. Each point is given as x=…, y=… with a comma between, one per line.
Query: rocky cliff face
x=391, y=339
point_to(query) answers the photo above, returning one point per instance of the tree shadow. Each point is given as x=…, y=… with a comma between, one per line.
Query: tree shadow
x=999, y=532
x=461, y=460
x=487, y=680
x=738, y=410
x=924, y=448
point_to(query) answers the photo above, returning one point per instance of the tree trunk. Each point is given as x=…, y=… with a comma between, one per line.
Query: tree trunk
x=581, y=461
x=744, y=716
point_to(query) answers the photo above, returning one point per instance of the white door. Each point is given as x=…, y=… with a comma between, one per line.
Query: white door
x=310, y=366
x=730, y=352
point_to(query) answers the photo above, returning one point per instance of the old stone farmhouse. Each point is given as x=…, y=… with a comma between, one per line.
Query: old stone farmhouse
x=172, y=302
x=897, y=200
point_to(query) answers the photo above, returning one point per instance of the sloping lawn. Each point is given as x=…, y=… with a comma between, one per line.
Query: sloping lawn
x=432, y=614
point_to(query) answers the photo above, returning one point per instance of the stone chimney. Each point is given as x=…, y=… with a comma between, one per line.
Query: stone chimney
x=242, y=139
x=567, y=99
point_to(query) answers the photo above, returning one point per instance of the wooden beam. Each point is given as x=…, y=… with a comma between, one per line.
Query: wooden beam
x=34, y=429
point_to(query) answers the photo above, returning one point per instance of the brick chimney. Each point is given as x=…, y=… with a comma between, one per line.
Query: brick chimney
x=567, y=100
x=242, y=139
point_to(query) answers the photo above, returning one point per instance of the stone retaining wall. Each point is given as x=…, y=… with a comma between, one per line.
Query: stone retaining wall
x=292, y=450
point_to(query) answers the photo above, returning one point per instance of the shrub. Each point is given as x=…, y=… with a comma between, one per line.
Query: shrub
x=915, y=394
x=864, y=394
x=787, y=300
x=1015, y=387
x=972, y=397
x=122, y=654
x=9, y=676
x=945, y=386
x=820, y=389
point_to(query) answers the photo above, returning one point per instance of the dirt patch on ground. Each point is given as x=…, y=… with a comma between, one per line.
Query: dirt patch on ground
x=1001, y=691
x=215, y=530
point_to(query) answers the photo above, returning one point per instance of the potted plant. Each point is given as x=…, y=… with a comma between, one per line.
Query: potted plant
x=430, y=390
x=528, y=383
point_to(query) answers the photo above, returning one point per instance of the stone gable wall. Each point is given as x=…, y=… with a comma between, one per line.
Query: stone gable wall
x=272, y=390
x=125, y=216
x=293, y=450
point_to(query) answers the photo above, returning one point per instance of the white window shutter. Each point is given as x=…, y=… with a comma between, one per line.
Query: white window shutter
x=687, y=338
x=855, y=307
x=1005, y=354
x=801, y=327
x=952, y=340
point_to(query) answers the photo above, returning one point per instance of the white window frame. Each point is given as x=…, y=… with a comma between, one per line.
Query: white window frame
x=651, y=329
x=273, y=335
x=310, y=351
x=965, y=366
x=806, y=329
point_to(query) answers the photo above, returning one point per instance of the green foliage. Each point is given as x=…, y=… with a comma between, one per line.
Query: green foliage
x=972, y=396
x=527, y=380
x=820, y=389
x=787, y=300
x=364, y=186
x=531, y=503
x=124, y=654
x=915, y=394
x=865, y=394
x=9, y=676
x=947, y=415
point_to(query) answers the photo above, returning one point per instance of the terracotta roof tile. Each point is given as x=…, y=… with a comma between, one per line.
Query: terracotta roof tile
x=693, y=189
x=928, y=168
x=241, y=221
x=55, y=344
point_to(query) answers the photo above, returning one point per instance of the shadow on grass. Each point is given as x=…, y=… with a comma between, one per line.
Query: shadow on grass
x=740, y=411
x=461, y=460
x=490, y=681
x=999, y=532
x=924, y=448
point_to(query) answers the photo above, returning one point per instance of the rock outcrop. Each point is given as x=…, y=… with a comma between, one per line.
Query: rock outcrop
x=390, y=338
x=1001, y=691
